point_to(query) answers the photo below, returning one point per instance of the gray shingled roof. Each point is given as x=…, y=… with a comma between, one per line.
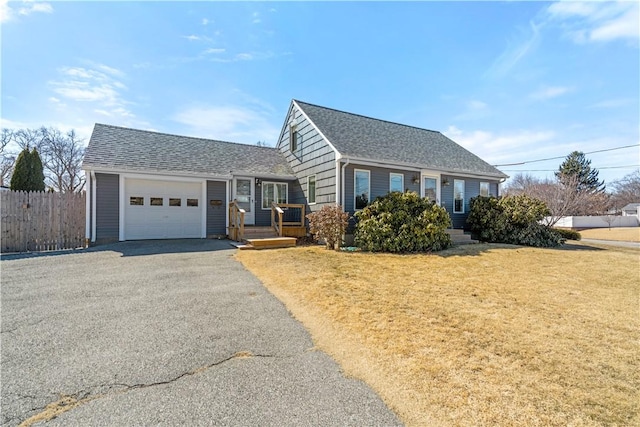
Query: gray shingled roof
x=378, y=140
x=113, y=147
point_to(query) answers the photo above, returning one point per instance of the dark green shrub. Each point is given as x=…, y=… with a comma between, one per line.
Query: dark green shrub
x=329, y=224
x=568, y=234
x=28, y=172
x=402, y=222
x=514, y=220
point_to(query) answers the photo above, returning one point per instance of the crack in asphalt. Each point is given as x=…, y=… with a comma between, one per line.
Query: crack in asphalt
x=70, y=401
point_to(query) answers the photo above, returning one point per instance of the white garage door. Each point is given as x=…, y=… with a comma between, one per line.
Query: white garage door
x=162, y=209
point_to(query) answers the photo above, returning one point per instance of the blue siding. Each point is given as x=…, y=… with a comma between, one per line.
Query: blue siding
x=216, y=215
x=263, y=216
x=471, y=190
x=379, y=183
x=107, y=207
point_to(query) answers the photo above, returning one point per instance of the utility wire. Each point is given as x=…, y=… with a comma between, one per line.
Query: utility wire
x=562, y=157
x=556, y=170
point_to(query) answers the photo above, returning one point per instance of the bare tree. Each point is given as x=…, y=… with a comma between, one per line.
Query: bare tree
x=62, y=157
x=626, y=190
x=28, y=138
x=563, y=198
x=8, y=159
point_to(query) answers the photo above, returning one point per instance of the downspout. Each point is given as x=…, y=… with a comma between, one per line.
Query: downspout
x=93, y=206
x=343, y=182
x=87, y=216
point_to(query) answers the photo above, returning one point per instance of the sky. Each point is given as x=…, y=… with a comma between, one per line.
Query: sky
x=510, y=81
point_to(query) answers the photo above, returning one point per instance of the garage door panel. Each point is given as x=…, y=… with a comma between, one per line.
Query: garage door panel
x=163, y=221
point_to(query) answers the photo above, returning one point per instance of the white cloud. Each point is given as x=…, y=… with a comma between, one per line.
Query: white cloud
x=515, y=52
x=213, y=50
x=474, y=104
x=205, y=21
x=23, y=8
x=255, y=18
x=613, y=103
x=549, y=92
x=98, y=85
x=504, y=147
x=228, y=123
x=597, y=21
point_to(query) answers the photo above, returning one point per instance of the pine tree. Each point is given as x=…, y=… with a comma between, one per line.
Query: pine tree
x=36, y=173
x=20, y=177
x=576, y=169
x=28, y=173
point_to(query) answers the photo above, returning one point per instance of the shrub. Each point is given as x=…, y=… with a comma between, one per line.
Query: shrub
x=568, y=234
x=328, y=224
x=514, y=220
x=402, y=222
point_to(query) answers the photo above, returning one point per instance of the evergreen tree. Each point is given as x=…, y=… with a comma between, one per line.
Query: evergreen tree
x=36, y=173
x=20, y=177
x=576, y=169
x=28, y=173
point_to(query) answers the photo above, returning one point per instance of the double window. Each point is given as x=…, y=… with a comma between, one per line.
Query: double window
x=274, y=192
x=362, y=188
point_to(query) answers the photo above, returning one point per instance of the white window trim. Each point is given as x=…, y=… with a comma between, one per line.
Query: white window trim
x=435, y=176
x=488, y=188
x=401, y=175
x=315, y=180
x=355, y=172
x=454, y=196
x=293, y=128
x=265, y=183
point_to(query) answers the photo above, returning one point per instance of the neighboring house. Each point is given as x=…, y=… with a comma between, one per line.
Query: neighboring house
x=148, y=185
x=632, y=209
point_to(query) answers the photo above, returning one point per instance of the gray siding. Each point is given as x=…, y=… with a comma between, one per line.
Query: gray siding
x=107, y=207
x=216, y=215
x=313, y=156
x=263, y=216
x=471, y=190
x=379, y=183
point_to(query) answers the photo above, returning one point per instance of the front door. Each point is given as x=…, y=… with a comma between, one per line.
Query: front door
x=243, y=193
x=430, y=188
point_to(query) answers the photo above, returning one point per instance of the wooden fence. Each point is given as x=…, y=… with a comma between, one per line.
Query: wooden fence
x=39, y=221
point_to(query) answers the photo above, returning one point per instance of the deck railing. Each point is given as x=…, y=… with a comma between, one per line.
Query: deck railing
x=287, y=215
x=236, y=221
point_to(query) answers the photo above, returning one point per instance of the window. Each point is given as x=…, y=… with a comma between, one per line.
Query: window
x=484, y=189
x=274, y=192
x=293, y=138
x=156, y=201
x=458, y=196
x=396, y=182
x=311, y=189
x=136, y=201
x=175, y=202
x=362, y=188
x=192, y=202
x=430, y=188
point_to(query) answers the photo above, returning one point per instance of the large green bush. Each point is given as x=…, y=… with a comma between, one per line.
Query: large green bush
x=28, y=174
x=402, y=222
x=514, y=220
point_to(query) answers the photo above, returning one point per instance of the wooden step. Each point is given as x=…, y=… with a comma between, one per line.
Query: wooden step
x=459, y=237
x=270, y=243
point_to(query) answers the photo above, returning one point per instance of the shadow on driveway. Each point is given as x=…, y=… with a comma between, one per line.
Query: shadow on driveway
x=136, y=248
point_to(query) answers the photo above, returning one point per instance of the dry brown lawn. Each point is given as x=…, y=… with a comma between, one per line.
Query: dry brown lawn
x=481, y=335
x=624, y=234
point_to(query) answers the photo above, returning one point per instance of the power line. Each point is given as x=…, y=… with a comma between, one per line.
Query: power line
x=562, y=157
x=556, y=170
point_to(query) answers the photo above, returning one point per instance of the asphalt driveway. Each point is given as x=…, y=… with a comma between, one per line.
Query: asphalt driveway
x=162, y=333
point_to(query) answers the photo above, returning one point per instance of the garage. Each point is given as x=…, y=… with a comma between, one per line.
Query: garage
x=158, y=209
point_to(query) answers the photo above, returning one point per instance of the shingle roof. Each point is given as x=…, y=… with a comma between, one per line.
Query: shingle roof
x=113, y=147
x=377, y=140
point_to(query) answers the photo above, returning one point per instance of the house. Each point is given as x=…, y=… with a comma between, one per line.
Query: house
x=149, y=185
x=631, y=209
